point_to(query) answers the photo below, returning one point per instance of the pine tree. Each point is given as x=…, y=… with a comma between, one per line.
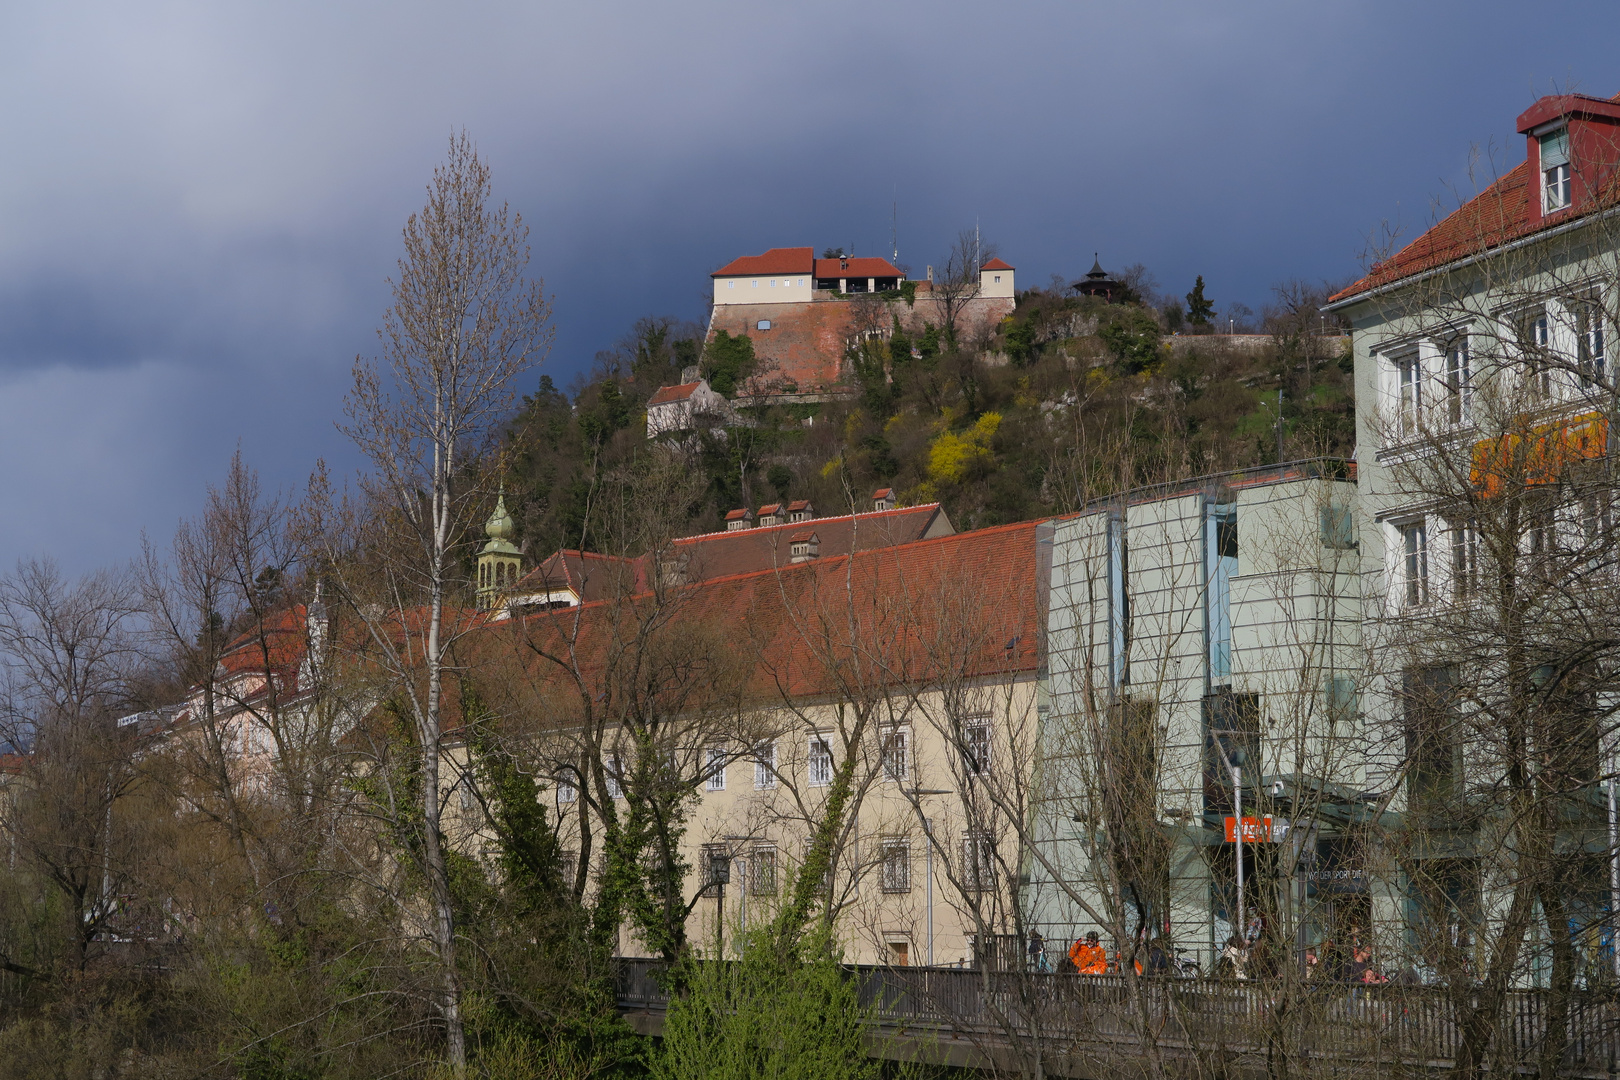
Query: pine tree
x=1199, y=309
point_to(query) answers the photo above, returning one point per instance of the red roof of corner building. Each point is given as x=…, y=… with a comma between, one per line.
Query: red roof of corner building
x=856, y=268
x=799, y=260
x=1498, y=215
x=997, y=264
x=666, y=394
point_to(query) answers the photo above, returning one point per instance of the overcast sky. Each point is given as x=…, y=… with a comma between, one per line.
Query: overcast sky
x=199, y=203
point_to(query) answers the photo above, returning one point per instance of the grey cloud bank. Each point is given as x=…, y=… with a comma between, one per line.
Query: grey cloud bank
x=200, y=204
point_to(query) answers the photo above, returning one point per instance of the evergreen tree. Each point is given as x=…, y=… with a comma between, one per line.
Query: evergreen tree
x=1199, y=309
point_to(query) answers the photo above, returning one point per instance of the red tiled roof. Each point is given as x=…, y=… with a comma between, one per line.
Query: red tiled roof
x=1498, y=215
x=864, y=267
x=961, y=607
x=769, y=508
x=591, y=576
x=802, y=538
x=798, y=260
x=744, y=551
x=996, y=264
x=882, y=493
x=667, y=394
x=798, y=505
x=737, y=515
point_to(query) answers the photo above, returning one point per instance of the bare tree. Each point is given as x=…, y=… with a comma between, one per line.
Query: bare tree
x=464, y=324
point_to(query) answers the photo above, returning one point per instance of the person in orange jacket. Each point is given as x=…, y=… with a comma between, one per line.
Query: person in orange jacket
x=1088, y=956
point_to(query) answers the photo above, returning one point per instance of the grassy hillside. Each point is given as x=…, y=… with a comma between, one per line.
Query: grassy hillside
x=1069, y=395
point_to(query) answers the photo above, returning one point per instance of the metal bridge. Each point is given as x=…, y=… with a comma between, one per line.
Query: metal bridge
x=1096, y=1026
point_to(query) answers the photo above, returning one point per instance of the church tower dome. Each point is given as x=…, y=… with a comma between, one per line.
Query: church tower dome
x=500, y=562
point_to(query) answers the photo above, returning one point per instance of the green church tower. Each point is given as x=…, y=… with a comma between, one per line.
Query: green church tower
x=500, y=563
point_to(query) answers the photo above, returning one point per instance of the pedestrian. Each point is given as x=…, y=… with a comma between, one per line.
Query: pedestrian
x=1234, y=959
x=1037, y=952
x=1089, y=956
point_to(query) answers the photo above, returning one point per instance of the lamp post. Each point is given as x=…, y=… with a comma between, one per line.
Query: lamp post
x=1234, y=762
x=742, y=886
x=928, y=833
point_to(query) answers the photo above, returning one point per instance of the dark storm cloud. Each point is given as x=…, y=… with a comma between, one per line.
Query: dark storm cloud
x=199, y=203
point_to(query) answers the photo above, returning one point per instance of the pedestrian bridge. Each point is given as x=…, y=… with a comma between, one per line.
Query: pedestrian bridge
x=1107, y=1026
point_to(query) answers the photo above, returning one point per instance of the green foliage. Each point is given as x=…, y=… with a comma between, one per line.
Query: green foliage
x=608, y=414
x=1199, y=309
x=728, y=361
x=763, y=1016
x=1020, y=347
x=1132, y=336
x=781, y=479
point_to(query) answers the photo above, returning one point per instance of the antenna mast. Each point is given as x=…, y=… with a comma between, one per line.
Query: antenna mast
x=894, y=232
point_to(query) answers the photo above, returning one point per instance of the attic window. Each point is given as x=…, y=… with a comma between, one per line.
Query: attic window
x=731, y=284
x=764, y=324
x=1555, y=170
x=998, y=279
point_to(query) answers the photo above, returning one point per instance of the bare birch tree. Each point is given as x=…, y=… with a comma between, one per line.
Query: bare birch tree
x=465, y=322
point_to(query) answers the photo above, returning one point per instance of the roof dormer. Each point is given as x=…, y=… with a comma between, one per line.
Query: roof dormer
x=800, y=510
x=1572, y=149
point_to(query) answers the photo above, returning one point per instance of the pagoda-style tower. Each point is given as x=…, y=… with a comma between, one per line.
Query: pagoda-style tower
x=500, y=563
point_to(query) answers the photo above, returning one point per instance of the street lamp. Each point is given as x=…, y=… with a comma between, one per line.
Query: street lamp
x=1234, y=762
x=928, y=832
x=742, y=886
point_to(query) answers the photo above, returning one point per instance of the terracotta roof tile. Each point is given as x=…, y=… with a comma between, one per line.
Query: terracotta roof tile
x=667, y=394
x=864, y=267
x=997, y=264
x=799, y=260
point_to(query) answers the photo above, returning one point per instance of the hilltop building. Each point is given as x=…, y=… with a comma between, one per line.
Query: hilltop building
x=803, y=313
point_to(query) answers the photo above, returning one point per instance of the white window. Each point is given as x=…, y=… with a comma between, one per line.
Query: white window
x=1596, y=522
x=714, y=773
x=896, y=756
x=731, y=284
x=765, y=765
x=1415, y=563
x=1555, y=192
x=464, y=791
x=614, y=772
x=787, y=284
x=1464, y=559
x=566, y=792
x=895, y=854
x=976, y=745
x=978, y=862
x=762, y=871
x=1409, y=392
x=998, y=279
x=1536, y=339
x=1594, y=356
x=1459, y=381
x=773, y=283
x=756, y=284
x=821, y=761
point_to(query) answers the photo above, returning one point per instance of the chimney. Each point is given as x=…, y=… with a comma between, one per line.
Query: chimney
x=802, y=547
x=739, y=519
x=800, y=511
x=883, y=499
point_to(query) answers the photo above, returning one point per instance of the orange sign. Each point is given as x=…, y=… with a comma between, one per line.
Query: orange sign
x=1256, y=830
x=1539, y=455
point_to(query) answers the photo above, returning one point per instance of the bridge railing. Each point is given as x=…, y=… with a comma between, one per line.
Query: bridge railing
x=1389, y=1024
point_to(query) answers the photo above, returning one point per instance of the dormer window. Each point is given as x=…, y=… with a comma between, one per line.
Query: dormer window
x=804, y=546
x=1555, y=191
